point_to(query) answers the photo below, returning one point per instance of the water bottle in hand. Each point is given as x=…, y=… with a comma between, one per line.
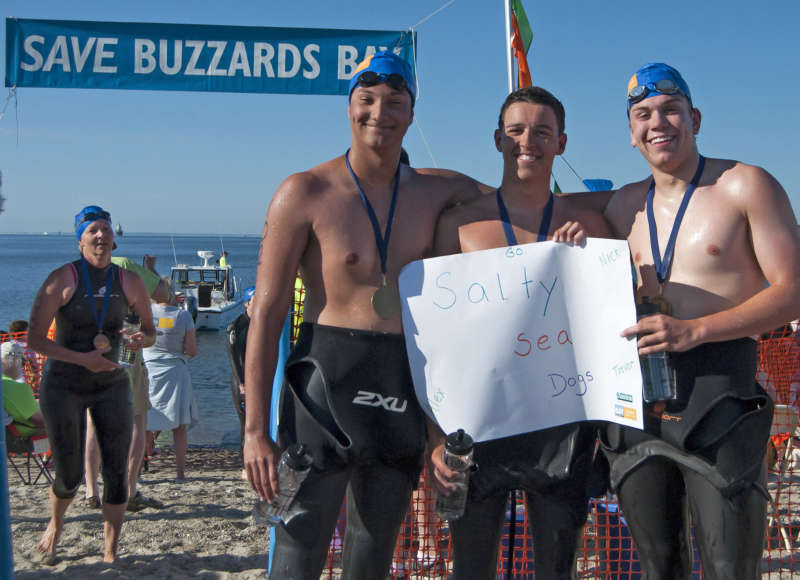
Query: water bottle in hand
x=658, y=374
x=458, y=457
x=293, y=468
x=130, y=326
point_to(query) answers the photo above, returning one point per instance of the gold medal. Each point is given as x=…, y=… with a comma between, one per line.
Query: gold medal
x=664, y=307
x=101, y=341
x=386, y=301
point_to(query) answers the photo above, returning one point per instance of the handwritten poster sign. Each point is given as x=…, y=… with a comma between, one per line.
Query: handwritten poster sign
x=517, y=339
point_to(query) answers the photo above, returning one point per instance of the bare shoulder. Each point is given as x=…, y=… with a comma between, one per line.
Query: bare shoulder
x=62, y=277
x=623, y=206
x=298, y=193
x=58, y=287
x=746, y=185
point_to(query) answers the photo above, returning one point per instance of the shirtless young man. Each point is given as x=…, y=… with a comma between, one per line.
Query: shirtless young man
x=550, y=465
x=350, y=357
x=702, y=452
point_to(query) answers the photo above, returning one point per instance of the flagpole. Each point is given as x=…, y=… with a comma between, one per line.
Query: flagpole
x=509, y=64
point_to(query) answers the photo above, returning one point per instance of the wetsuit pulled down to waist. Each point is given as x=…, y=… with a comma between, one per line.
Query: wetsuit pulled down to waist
x=533, y=461
x=718, y=425
x=349, y=397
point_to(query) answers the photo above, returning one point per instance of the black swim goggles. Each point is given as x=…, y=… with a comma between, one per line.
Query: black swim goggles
x=663, y=86
x=370, y=78
x=94, y=216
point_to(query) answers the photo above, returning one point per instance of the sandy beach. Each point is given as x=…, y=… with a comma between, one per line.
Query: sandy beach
x=204, y=530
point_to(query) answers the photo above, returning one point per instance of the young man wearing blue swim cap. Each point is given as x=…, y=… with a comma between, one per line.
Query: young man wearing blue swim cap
x=348, y=225
x=715, y=246
x=552, y=465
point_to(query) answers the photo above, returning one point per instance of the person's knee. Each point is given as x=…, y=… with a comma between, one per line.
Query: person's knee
x=115, y=486
x=300, y=549
x=663, y=560
x=732, y=569
x=66, y=489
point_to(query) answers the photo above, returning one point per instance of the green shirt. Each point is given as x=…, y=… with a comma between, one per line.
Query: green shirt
x=20, y=404
x=149, y=278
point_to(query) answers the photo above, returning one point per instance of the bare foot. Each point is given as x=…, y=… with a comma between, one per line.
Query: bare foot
x=46, y=549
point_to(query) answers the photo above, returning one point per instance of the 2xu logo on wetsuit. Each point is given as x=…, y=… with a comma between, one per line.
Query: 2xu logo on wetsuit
x=370, y=399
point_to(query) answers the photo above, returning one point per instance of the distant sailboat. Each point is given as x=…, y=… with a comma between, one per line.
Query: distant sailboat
x=118, y=230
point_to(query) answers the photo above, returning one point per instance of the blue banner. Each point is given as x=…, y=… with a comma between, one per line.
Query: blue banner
x=186, y=57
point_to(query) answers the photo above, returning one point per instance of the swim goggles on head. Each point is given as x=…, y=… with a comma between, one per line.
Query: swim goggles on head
x=663, y=86
x=371, y=78
x=94, y=216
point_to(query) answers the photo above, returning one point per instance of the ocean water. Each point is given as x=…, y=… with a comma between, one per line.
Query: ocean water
x=26, y=260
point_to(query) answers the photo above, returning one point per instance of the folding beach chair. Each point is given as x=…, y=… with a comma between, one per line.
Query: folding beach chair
x=784, y=422
x=33, y=450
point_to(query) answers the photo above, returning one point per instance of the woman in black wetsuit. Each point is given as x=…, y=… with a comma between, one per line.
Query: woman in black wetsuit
x=89, y=299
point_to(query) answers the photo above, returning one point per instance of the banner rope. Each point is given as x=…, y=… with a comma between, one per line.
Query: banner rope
x=417, y=77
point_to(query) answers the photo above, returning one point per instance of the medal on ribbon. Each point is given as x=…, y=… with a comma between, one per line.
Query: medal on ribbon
x=100, y=341
x=663, y=264
x=386, y=299
x=544, y=226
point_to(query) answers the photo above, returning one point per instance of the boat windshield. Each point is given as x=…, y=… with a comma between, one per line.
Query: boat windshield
x=213, y=276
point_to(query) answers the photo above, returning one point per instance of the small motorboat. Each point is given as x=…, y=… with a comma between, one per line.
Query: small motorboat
x=211, y=290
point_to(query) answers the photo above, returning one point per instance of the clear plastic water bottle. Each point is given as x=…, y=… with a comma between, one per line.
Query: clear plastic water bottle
x=293, y=468
x=658, y=374
x=457, y=456
x=130, y=326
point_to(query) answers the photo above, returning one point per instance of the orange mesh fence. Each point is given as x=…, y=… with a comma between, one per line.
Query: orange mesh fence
x=606, y=549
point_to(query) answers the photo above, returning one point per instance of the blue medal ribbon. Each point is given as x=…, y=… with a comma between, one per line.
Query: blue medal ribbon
x=662, y=265
x=90, y=291
x=544, y=227
x=382, y=241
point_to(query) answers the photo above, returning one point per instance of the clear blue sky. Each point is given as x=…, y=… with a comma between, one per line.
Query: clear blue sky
x=182, y=162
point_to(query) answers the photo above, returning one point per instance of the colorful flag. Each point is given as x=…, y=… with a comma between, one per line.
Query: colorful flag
x=521, y=37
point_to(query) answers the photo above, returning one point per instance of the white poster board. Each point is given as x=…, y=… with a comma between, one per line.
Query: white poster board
x=517, y=339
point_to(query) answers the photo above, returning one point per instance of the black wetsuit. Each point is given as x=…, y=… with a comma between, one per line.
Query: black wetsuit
x=236, y=346
x=350, y=399
x=69, y=389
x=552, y=466
x=704, y=455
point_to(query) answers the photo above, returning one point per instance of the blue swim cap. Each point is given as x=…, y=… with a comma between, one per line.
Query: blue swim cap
x=656, y=78
x=384, y=64
x=248, y=293
x=89, y=214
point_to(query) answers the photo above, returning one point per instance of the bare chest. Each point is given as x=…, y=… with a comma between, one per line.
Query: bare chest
x=349, y=242
x=710, y=237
